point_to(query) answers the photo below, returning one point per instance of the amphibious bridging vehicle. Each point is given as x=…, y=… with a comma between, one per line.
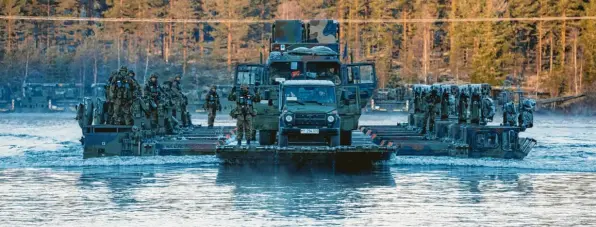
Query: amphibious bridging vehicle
x=304, y=60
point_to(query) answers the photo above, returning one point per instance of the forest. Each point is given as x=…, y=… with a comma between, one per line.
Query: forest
x=548, y=46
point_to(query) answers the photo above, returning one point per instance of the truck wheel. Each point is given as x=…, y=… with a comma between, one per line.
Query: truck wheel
x=282, y=141
x=266, y=137
x=334, y=141
x=346, y=138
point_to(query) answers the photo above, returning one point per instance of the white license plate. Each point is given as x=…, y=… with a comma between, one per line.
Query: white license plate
x=309, y=131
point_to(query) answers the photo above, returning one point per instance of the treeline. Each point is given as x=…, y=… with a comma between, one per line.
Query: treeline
x=556, y=56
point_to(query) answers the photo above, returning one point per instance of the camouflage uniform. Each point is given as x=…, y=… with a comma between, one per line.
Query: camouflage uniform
x=110, y=96
x=212, y=105
x=152, y=95
x=122, y=89
x=135, y=89
x=332, y=76
x=526, y=118
x=166, y=106
x=432, y=99
x=177, y=100
x=463, y=105
x=244, y=112
x=509, y=114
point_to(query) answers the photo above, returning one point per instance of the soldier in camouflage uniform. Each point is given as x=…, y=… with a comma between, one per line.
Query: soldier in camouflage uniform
x=432, y=99
x=177, y=100
x=244, y=112
x=463, y=104
x=122, y=91
x=153, y=95
x=110, y=98
x=526, y=117
x=166, y=107
x=212, y=105
x=331, y=75
x=510, y=115
x=135, y=88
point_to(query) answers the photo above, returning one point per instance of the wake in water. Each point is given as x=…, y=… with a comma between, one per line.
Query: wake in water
x=52, y=140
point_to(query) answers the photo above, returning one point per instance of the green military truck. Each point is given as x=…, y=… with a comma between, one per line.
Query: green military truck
x=309, y=113
x=306, y=50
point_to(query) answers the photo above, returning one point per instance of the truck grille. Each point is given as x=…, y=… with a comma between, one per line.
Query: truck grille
x=310, y=120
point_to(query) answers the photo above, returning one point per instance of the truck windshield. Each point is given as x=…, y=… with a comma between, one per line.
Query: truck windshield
x=323, y=95
x=285, y=70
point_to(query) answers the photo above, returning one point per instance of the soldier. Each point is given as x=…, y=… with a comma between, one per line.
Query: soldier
x=182, y=102
x=122, y=93
x=432, y=99
x=110, y=96
x=166, y=105
x=177, y=100
x=244, y=112
x=331, y=75
x=152, y=94
x=526, y=117
x=137, y=86
x=509, y=114
x=211, y=105
x=488, y=105
x=463, y=104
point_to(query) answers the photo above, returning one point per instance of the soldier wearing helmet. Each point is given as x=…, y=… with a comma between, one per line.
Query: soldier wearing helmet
x=244, y=112
x=152, y=95
x=432, y=99
x=166, y=106
x=179, y=110
x=122, y=90
x=212, y=105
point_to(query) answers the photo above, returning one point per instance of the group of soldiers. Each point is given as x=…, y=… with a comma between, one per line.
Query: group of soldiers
x=244, y=111
x=165, y=104
x=469, y=103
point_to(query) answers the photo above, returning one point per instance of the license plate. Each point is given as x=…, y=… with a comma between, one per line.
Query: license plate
x=309, y=131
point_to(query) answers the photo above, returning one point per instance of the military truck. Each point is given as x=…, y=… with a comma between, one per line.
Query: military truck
x=306, y=51
x=49, y=97
x=309, y=113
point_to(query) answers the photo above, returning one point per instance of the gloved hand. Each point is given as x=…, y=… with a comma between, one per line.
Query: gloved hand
x=233, y=89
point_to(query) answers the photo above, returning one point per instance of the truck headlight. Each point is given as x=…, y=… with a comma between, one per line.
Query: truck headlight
x=330, y=118
x=289, y=118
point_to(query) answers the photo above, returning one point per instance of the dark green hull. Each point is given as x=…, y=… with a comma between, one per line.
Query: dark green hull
x=348, y=155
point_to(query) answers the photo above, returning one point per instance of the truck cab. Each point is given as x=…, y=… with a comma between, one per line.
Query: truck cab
x=309, y=113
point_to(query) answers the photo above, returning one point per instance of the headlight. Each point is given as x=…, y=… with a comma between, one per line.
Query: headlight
x=289, y=118
x=330, y=119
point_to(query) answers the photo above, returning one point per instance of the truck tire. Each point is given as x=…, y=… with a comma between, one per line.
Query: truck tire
x=267, y=137
x=334, y=141
x=282, y=141
x=346, y=138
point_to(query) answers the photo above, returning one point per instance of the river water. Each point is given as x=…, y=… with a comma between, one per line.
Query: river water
x=45, y=182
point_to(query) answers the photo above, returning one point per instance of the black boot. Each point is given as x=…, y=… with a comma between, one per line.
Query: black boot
x=239, y=142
